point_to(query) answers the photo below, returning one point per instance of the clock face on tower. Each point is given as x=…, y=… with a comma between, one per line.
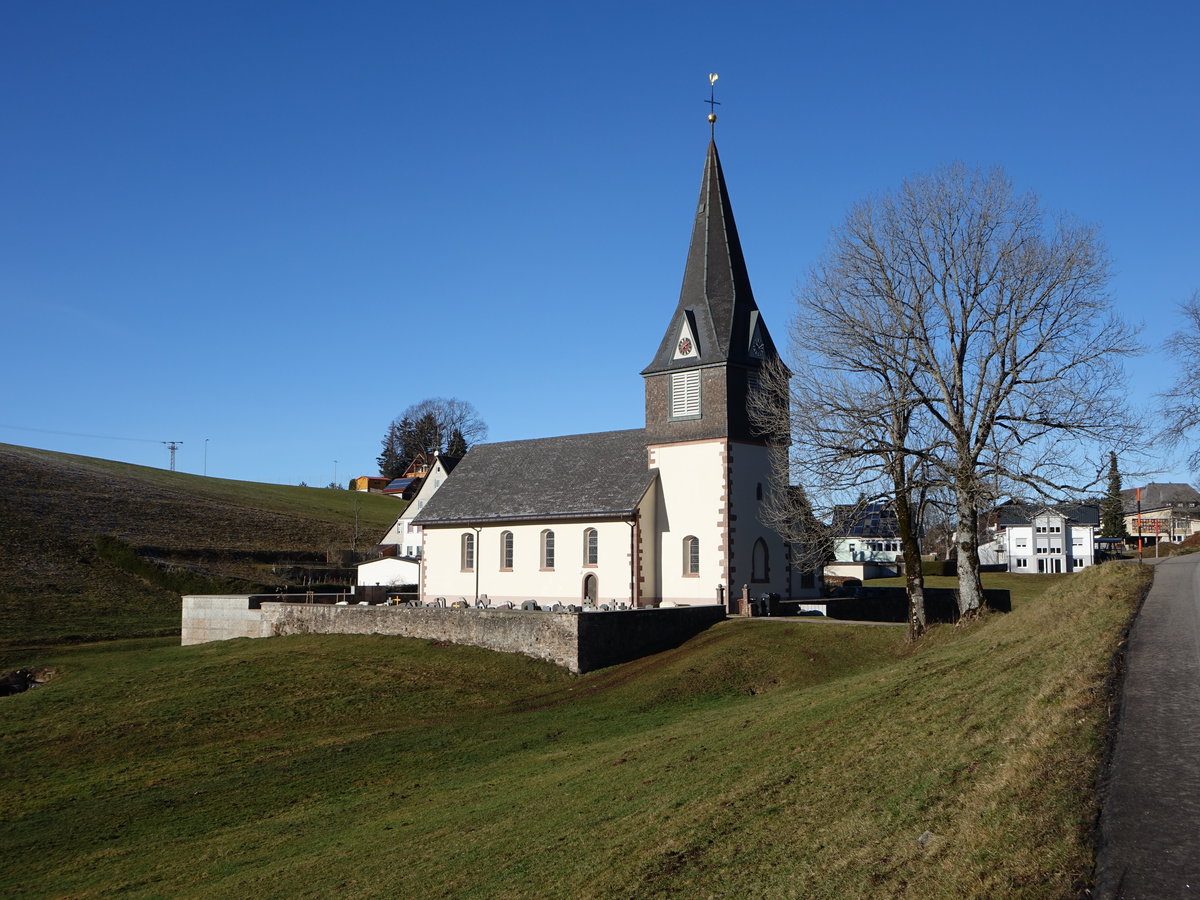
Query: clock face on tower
x=685, y=346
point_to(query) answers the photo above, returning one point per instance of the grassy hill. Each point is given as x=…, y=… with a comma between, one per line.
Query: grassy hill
x=761, y=759
x=56, y=583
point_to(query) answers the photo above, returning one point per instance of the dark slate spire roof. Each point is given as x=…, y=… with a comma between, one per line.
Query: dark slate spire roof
x=576, y=476
x=716, y=299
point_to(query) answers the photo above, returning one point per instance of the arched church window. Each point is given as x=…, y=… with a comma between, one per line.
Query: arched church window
x=547, y=549
x=468, y=552
x=759, y=569
x=506, y=550
x=691, y=555
x=591, y=547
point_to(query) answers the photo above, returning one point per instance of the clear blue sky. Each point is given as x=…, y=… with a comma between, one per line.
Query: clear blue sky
x=274, y=225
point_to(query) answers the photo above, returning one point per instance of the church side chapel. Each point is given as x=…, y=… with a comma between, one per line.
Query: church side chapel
x=665, y=515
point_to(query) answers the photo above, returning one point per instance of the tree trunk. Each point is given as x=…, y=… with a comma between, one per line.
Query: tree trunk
x=970, y=588
x=914, y=580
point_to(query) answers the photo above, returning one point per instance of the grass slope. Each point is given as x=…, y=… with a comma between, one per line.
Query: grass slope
x=761, y=759
x=55, y=586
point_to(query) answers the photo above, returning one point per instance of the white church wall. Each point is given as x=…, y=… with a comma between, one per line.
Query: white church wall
x=691, y=503
x=751, y=468
x=528, y=579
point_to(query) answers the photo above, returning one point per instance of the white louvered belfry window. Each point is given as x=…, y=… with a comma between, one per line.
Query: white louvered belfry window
x=685, y=394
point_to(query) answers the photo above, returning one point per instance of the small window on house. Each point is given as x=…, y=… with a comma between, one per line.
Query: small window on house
x=758, y=571
x=1077, y=562
x=691, y=555
x=1022, y=563
x=591, y=547
x=547, y=549
x=506, y=550
x=468, y=553
x=685, y=395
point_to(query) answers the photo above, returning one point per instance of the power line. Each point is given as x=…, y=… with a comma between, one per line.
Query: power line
x=103, y=437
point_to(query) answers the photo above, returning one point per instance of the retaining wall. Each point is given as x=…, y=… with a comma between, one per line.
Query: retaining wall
x=219, y=618
x=579, y=642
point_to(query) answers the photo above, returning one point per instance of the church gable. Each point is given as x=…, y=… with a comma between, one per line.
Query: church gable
x=686, y=345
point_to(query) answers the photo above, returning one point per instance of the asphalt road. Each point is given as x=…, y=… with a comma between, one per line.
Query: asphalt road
x=1149, y=846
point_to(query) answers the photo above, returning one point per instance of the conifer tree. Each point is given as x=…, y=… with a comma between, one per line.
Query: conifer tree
x=1112, y=508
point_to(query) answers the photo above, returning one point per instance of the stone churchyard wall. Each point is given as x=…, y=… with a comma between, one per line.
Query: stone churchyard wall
x=579, y=642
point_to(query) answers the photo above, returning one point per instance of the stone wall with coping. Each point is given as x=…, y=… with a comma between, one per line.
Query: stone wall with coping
x=579, y=642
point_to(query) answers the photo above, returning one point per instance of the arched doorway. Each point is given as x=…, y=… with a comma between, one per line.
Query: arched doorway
x=591, y=589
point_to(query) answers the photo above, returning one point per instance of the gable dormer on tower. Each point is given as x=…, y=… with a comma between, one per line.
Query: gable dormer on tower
x=716, y=340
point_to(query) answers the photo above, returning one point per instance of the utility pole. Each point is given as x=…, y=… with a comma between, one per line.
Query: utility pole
x=206, y=457
x=172, y=446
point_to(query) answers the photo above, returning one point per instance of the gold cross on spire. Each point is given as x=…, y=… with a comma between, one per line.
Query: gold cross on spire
x=713, y=103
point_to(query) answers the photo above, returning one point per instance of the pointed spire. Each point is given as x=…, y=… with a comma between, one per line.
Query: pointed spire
x=715, y=303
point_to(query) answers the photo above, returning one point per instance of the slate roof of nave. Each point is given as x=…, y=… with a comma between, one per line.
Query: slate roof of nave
x=575, y=476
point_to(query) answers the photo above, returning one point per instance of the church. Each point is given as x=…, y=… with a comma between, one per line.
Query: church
x=665, y=515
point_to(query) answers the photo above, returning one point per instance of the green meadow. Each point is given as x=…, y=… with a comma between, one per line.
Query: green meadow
x=761, y=759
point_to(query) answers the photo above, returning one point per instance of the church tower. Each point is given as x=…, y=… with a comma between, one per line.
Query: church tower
x=714, y=466
x=717, y=341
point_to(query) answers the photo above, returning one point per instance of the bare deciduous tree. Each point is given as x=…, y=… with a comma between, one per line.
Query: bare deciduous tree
x=994, y=320
x=1181, y=404
x=851, y=424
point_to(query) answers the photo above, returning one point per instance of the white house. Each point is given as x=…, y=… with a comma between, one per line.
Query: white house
x=1043, y=538
x=391, y=571
x=867, y=534
x=866, y=542
x=407, y=537
x=665, y=514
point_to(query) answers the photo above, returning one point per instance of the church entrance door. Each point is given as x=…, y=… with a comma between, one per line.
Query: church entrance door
x=590, y=589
